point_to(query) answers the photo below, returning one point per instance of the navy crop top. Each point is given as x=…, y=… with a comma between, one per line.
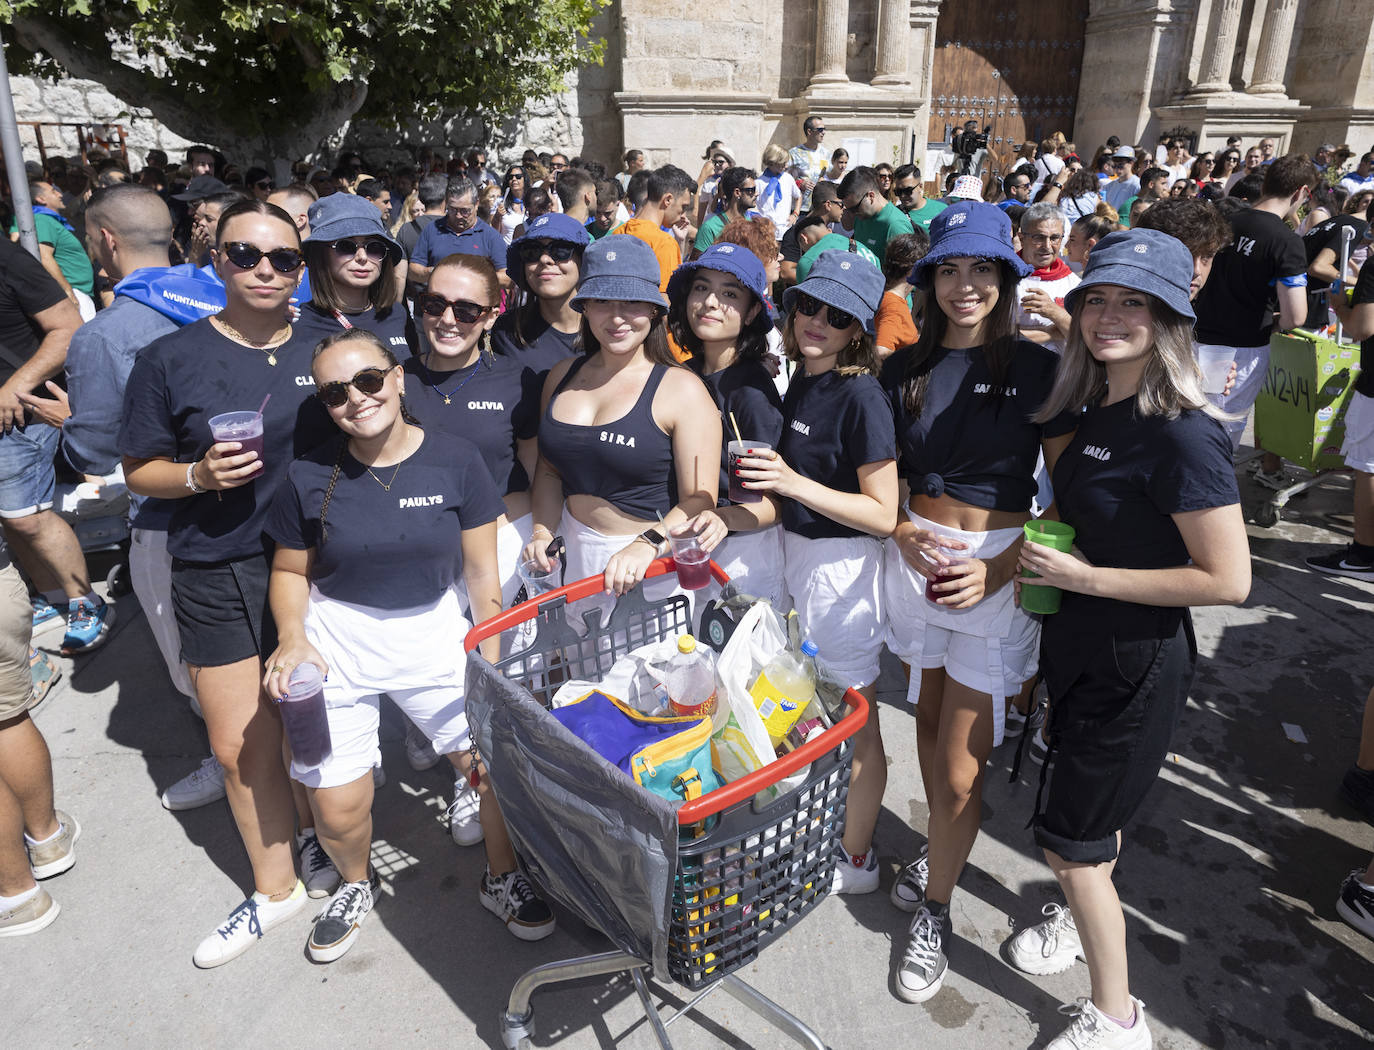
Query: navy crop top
x=746, y=391
x=628, y=462
x=974, y=439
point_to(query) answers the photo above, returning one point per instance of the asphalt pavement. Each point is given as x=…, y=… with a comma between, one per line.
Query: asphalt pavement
x=1229, y=878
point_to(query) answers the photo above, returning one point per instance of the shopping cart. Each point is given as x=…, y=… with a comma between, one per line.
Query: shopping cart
x=689, y=894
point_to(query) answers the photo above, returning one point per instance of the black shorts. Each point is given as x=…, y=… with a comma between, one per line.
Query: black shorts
x=221, y=610
x=1110, y=726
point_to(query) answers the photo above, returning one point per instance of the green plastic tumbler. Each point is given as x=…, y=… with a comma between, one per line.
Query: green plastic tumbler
x=1052, y=534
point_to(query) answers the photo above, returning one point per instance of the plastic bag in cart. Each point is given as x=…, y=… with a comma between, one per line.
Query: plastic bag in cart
x=636, y=677
x=593, y=839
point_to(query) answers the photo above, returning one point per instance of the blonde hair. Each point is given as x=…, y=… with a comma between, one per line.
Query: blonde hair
x=1170, y=384
x=774, y=154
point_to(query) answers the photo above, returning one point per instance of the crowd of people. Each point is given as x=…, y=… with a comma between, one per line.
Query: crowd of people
x=457, y=371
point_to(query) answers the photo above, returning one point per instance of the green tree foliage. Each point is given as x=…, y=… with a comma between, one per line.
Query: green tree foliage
x=287, y=75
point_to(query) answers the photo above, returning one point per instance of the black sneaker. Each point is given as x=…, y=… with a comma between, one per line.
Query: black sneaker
x=337, y=927
x=923, y=967
x=512, y=899
x=1357, y=788
x=1343, y=563
x=1356, y=904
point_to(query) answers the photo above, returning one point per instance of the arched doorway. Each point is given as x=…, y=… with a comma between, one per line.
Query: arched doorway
x=1012, y=68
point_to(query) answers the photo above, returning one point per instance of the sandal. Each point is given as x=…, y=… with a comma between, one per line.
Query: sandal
x=45, y=675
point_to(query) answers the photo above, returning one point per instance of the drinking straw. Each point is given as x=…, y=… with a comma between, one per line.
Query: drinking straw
x=264, y=403
x=734, y=424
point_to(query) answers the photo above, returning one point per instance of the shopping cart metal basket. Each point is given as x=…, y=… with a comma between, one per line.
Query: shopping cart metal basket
x=687, y=893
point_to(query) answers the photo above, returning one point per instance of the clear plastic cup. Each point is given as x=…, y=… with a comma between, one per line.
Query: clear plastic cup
x=537, y=580
x=693, y=563
x=734, y=451
x=305, y=717
x=243, y=427
x=1215, y=364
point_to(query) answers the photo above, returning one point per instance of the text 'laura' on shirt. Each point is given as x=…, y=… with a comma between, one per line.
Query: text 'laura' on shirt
x=187, y=376
x=833, y=424
x=393, y=534
x=486, y=404
x=974, y=434
x=628, y=462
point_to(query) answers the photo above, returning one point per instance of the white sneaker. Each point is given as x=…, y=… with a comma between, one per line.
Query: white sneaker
x=855, y=874
x=246, y=925
x=200, y=787
x=1047, y=947
x=1092, y=1028
x=909, y=891
x=337, y=927
x=420, y=751
x=464, y=815
x=318, y=873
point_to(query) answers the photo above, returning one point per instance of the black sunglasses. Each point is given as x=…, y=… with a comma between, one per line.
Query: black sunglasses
x=558, y=251
x=347, y=248
x=434, y=305
x=265, y=184
x=906, y=191
x=748, y=191
x=369, y=381
x=247, y=256
x=836, y=319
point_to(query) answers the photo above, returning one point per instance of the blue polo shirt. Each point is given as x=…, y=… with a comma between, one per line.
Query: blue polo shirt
x=437, y=241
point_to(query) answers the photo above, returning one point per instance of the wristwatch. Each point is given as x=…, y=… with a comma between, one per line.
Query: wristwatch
x=652, y=537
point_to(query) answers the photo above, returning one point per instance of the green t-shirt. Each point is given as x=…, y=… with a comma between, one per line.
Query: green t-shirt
x=922, y=215
x=874, y=233
x=594, y=234
x=833, y=242
x=1124, y=212
x=66, y=249
x=709, y=231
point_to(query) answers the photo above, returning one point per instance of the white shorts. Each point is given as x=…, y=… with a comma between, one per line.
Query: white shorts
x=415, y=656
x=991, y=647
x=511, y=537
x=836, y=585
x=754, y=563
x=1358, y=446
x=588, y=553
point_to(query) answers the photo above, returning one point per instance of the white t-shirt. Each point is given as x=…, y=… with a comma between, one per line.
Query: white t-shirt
x=1057, y=289
x=776, y=198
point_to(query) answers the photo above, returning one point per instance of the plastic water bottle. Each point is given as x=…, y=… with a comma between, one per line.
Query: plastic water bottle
x=784, y=688
x=304, y=716
x=691, y=680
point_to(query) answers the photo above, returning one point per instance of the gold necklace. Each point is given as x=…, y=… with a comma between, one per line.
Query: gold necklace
x=278, y=337
x=386, y=485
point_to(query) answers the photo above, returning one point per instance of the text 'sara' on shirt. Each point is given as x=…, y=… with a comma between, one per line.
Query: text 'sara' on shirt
x=393, y=326
x=1236, y=305
x=1364, y=293
x=177, y=383
x=483, y=407
x=395, y=549
x=833, y=424
x=974, y=439
x=745, y=390
x=628, y=462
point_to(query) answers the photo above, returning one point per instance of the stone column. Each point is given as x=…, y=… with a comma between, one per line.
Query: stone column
x=894, y=43
x=1275, y=41
x=832, y=32
x=1214, y=76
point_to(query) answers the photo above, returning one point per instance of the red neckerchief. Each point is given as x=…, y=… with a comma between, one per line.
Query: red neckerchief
x=1054, y=272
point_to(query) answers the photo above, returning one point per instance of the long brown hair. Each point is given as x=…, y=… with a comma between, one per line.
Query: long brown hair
x=999, y=343
x=859, y=356
x=656, y=347
x=324, y=288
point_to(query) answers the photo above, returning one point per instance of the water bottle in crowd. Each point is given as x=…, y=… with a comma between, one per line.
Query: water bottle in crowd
x=691, y=679
x=784, y=688
x=304, y=717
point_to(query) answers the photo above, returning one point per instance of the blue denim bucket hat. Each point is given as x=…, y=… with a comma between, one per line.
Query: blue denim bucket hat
x=622, y=268
x=1148, y=261
x=736, y=260
x=845, y=281
x=343, y=215
x=973, y=230
x=551, y=226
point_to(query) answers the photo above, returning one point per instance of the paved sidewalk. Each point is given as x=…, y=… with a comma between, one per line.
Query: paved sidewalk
x=1229, y=879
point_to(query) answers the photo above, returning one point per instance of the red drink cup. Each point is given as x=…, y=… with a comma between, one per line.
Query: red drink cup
x=243, y=427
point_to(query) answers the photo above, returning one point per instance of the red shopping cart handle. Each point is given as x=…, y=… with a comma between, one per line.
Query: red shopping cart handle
x=571, y=592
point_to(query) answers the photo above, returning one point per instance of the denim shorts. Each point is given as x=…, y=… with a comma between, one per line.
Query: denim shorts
x=26, y=470
x=221, y=610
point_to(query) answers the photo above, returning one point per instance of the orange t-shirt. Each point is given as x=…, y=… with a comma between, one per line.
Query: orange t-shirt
x=894, y=325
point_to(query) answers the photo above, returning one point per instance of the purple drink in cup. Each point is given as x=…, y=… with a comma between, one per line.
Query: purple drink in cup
x=304, y=716
x=734, y=452
x=243, y=427
x=693, y=564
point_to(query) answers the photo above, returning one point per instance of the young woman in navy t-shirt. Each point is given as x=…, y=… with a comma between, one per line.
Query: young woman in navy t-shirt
x=372, y=529
x=546, y=264
x=241, y=358
x=834, y=477
x=720, y=313
x=1149, y=486
x=629, y=441
x=963, y=396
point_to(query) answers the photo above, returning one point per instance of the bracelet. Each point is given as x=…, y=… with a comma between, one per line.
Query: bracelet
x=191, y=482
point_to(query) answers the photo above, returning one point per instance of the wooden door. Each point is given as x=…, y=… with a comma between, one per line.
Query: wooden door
x=1013, y=67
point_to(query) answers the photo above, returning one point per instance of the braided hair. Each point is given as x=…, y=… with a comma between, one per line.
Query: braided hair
x=361, y=335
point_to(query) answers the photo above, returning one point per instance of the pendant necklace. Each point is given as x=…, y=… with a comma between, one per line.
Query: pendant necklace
x=268, y=347
x=386, y=485
x=448, y=398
